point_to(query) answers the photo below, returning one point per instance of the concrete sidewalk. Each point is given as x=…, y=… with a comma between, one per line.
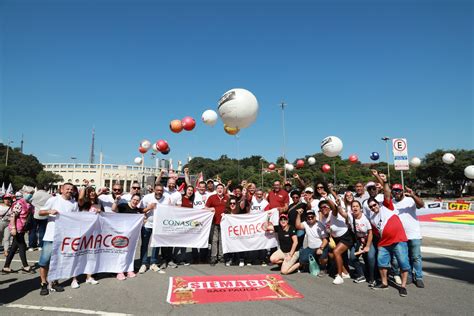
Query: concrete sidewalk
x=448, y=247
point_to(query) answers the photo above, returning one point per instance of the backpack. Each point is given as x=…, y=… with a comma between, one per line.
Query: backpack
x=28, y=222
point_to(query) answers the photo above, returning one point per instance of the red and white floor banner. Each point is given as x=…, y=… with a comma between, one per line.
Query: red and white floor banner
x=228, y=288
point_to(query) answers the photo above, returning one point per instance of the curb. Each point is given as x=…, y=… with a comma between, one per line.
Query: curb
x=448, y=252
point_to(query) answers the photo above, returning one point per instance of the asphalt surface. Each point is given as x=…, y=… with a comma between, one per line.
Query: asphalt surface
x=449, y=290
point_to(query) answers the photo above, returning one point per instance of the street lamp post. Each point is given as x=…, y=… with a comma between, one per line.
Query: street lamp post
x=8, y=147
x=386, y=139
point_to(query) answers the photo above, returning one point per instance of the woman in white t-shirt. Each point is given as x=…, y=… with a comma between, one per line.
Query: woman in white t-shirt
x=336, y=226
x=363, y=246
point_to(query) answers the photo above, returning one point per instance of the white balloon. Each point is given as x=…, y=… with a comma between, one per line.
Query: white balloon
x=146, y=144
x=138, y=160
x=289, y=167
x=469, y=172
x=331, y=146
x=238, y=108
x=448, y=158
x=209, y=117
x=311, y=160
x=415, y=162
x=154, y=148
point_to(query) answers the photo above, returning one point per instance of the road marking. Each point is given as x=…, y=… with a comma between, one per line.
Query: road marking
x=64, y=309
x=448, y=252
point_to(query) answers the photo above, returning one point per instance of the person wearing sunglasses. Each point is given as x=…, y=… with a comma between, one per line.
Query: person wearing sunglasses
x=336, y=226
x=373, y=192
x=134, y=189
x=107, y=200
x=318, y=244
x=407, y=202
x=287, y=254
x=393, y=239
x=233, y=207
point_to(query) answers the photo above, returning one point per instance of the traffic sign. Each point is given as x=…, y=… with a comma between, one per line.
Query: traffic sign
x=400, y=154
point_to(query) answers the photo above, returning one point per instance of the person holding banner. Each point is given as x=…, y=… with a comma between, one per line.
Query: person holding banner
x=199, y=199
x=287, y=255
x=258, y=204
x=149, y=205
x=57, y=204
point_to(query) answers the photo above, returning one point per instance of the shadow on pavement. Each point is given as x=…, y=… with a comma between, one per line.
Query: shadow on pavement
x=17, y=290
x=451, y=268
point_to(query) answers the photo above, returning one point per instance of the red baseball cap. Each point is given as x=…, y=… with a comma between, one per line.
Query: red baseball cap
x=397, y=186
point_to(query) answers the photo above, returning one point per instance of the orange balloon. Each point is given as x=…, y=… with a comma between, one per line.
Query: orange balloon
x=176, y=126
x=231, y=130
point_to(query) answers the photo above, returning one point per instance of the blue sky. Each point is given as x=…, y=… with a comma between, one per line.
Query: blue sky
x=359, y=70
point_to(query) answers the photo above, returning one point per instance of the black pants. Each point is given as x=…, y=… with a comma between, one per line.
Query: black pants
x=167, y=254
x=19, y=243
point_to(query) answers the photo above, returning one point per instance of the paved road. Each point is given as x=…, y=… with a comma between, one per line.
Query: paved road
x=449, y=290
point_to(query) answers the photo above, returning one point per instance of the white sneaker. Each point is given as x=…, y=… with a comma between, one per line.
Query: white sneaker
x=338, y=280
x=143, y=269
x=39, y=248
x=241, y=263
x=154, y=267
x=346, y=275
x=398, y=280
x=75, y=284
x=92, y=281
x=31, y=249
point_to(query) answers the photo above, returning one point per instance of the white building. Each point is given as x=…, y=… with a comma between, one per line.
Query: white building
x=105, y=175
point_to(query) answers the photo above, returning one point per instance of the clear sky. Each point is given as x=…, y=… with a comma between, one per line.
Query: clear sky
x=359, y=70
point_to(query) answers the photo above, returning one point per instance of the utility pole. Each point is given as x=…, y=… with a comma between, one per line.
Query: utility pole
x=386, y=139
x=282, y=106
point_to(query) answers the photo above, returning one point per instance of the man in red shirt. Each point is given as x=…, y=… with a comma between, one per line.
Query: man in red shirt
x=217, y=203
x=278, y=198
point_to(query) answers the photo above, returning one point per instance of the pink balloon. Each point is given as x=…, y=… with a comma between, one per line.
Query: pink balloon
x=326, y=168
x=300, y=164
x=271, y=166
x=188, y=123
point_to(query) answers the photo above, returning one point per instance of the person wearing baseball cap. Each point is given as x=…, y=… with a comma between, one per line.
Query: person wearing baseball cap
x=407, y=203
x=287, y=255
x=5, y=212
x=373, y=192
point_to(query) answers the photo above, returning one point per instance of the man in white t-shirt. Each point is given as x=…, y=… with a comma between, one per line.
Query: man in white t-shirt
x=134, y=189
x=150, y=204
x=373, y=191
x=360, y=194
x=406, y=203
x=106, y=200
x=55, y=205
x=316, y=237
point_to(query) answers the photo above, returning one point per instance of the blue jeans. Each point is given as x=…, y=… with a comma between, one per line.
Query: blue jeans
x=305, y=252
x=399, y=250
x=416, y=265
x=146, y=235
x=369, y=260
x=37, y=232
x=46, y=252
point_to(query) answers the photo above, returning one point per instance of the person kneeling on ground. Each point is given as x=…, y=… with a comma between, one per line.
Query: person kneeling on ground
x=286, y=255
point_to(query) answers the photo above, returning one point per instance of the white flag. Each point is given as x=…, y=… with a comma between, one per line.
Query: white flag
x=10, y=189
x=91, y=243
x=181, y=227
x=2, y=190
x=247, y=232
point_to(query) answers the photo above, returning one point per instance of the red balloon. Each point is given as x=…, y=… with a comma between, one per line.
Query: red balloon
x=326, y=168
x=353, y=158
x=142, y=150
x=300, y=164
x=271, y=166
x=176, y=126
x=188, y=123
x=162, y=145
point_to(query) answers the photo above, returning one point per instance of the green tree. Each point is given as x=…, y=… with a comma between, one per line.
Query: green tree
x=46, y=178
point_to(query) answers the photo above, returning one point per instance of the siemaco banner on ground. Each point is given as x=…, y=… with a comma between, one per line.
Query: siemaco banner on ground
x=246, y=232
x=91, y=243
x=228, y=288
x=181, y=227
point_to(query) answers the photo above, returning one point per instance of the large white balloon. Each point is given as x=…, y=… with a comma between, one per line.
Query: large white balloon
x=289, y=167
x=448, y=158
x=311, y=160
x=146, y=144
x=469, y=172
x=209, y=117
x=238, y=108
x=415, y=162
x=331, y=146
x=138, y=160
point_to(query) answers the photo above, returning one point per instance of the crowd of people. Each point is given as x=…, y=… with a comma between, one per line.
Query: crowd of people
x=374, y=222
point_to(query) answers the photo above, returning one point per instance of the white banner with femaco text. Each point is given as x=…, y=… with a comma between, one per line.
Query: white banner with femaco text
x=245, y=232
x=87, y=243
x=181, y=227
